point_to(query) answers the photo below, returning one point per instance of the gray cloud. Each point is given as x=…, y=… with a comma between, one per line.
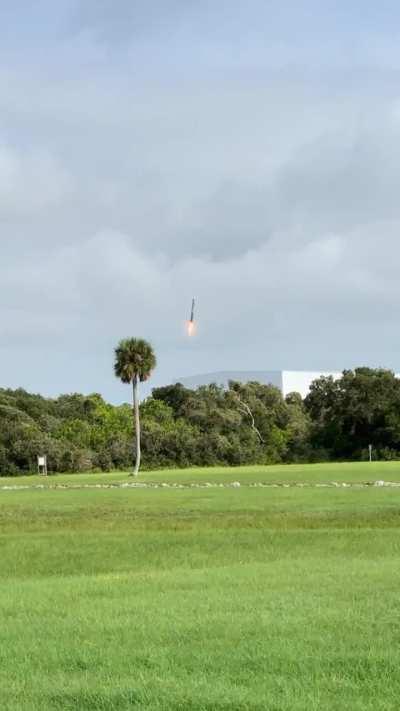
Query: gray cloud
x=124, y=19
x=30, y=182
x=271, y=197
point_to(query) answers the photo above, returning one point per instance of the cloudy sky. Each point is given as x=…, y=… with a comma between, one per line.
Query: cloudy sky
x=246, y=152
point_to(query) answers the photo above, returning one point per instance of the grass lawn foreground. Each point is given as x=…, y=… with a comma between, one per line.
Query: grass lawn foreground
x=248, y=598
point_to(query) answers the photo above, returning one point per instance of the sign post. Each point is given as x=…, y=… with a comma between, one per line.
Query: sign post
x=370, y=452
x=42, y=465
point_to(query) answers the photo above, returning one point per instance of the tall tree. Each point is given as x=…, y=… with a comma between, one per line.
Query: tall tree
x=134, y=362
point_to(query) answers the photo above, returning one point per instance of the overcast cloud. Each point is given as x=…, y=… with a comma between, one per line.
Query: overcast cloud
x=246, y=153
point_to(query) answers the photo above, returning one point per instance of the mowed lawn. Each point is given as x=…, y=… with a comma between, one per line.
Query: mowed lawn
x=199, y=599
x=363, y=472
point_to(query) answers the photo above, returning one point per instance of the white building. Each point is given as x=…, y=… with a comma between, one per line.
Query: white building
x=287, y=381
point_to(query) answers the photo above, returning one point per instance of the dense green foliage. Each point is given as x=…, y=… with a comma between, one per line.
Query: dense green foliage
x=247, y=423
x=77, y=433
x=203, y=600
x=361, y=408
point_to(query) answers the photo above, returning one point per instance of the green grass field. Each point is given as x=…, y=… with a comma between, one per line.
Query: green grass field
x=280, y=473
x=198, y=599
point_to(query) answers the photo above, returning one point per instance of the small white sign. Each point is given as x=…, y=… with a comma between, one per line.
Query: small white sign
x=42, y=461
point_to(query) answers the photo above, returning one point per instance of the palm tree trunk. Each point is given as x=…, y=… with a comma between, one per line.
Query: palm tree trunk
x=136, y=418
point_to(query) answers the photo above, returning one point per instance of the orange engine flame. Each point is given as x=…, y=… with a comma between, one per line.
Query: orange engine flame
x=191, y=328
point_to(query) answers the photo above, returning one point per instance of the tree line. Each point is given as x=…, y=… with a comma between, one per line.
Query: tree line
x=248, y=423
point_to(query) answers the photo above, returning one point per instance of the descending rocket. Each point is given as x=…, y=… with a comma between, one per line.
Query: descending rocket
x=190, y=323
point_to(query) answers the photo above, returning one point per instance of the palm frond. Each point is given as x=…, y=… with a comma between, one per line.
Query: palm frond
x=134, y=358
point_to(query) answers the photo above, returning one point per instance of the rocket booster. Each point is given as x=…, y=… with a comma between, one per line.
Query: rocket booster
x=190, y=325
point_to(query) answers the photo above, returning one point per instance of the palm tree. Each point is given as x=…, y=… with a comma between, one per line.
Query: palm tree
x=134, y=362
